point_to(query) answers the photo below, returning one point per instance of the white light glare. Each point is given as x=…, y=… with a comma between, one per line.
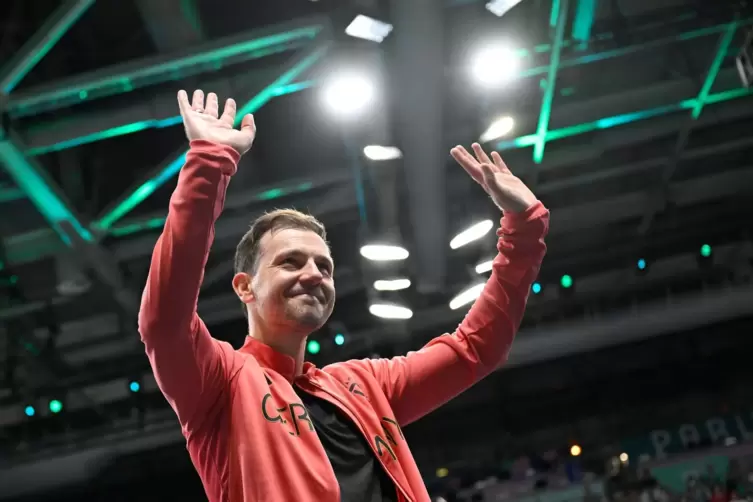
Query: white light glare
x=368, y=28
x=384, y=252
x=391, y=284
x=484, y=267
x=467, y=296
x=499, y=128
x=378, y=152
x=500, y=7
x=349, y=94
x=494, y=65
x=472, y=233
x=389, y=311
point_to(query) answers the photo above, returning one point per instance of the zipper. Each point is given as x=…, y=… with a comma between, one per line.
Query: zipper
x=337, y=402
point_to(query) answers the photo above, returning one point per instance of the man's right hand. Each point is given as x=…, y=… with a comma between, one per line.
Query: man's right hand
x=202, y=121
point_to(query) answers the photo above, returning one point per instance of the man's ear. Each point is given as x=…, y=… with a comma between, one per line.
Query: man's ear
x=243, y=288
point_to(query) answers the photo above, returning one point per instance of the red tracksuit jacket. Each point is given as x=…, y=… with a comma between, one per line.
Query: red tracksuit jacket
x=247, y=432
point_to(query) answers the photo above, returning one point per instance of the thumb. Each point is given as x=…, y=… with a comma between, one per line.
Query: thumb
x=248, y=123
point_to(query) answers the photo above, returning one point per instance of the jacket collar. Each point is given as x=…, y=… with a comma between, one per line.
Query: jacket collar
x=269, y=358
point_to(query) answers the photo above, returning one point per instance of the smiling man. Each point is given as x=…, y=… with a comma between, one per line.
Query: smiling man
x=260, y=423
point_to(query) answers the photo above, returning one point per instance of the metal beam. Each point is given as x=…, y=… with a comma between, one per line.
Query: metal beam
x=171, y=166
x=56, y=135
x=126, y=77
x=551, y=81
x=419, y=54
x=150, y=113
x=172, y=24
x=682, y=138
x=41, y=42
x=51, y=203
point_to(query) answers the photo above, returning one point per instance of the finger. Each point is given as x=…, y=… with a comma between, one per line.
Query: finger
x=468, y=163
x=480, y=154
x=228, y=114
x=488, y=170
x=500, y=163
x=183, y=104
x=248, y=123
x=212, y=106
x=198, y=100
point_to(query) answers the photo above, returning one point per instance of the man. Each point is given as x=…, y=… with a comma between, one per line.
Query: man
x=260, y=423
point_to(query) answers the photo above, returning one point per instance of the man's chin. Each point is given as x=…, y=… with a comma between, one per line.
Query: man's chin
x=311, y=319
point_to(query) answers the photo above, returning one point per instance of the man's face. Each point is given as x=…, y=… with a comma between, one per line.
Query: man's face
x=293, y=286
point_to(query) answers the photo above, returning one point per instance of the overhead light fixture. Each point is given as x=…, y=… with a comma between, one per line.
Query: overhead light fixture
x=348, y=94
x=500, y=7
x=472, y=233
x=368, y=28
x=467, y=296
x=484, y=267
x=378, y=152
x=494, y=65
x=499, y=128
x=390, y=311
x=391, y=284
x=384, y=252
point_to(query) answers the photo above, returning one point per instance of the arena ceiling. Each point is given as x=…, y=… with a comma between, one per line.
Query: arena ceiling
x=630, y=122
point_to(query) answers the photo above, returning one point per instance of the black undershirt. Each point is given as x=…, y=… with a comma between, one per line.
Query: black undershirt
x=359, y=473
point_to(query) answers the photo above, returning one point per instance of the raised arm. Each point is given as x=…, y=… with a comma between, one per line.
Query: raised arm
x=189, y=365
x=421, y=381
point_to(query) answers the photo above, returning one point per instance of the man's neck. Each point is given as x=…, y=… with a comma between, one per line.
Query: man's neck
x=293, y=345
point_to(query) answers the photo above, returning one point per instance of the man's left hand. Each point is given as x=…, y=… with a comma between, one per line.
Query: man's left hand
x=505, y=189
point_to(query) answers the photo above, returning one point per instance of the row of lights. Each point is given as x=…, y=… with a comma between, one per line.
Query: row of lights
x=55, y=406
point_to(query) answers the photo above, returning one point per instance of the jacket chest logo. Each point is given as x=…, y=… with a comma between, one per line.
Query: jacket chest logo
x=293, y=413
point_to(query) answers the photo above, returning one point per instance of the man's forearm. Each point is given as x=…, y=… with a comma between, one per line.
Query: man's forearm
x=180, y=255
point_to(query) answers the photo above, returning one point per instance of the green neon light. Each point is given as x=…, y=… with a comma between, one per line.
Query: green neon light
x=32, y=181
x=172, y=167
x=138, y=126
x=716, y=65
x=551, y=83
x=125, y=78
x=41, y=43
x=132, y=227
x=622, y=119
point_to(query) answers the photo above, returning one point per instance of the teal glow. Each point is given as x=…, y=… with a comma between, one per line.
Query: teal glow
x=705, y=250
x=566, y=281
x=134, y=386
x=46, y=37
x=30, y=411
x=313, y=347
x=56, y=406
x=172, y=167
x=31, y=179
x=339, y=339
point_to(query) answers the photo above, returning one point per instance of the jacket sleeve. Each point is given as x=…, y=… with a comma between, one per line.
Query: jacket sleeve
x=421, y=381
x=189, y=365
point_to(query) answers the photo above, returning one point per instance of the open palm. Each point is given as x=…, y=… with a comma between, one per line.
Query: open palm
x=202, y=121
x=507, y=191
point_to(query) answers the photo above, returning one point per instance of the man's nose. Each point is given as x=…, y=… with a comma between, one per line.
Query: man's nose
x=311, y=274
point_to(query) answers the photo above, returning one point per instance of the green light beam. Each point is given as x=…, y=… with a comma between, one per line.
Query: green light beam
x=132, y=75
x=43, y=40
x=622, y=119
x=551, y=80
x=141, y=125
x=172, y=166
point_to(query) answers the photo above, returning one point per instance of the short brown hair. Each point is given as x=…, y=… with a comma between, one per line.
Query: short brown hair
x=248, y=250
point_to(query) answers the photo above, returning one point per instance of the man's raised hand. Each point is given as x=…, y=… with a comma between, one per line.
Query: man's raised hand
x=202, y=121
x=505, y=189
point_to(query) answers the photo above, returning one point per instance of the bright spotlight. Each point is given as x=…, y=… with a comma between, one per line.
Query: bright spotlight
x=390, y=311
x=391, y=284
x=349, y=94
x=498, y=129
x=467, y=296
x=472, y=233
x=384, y=252
x=378, y=152
x=495, y=65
